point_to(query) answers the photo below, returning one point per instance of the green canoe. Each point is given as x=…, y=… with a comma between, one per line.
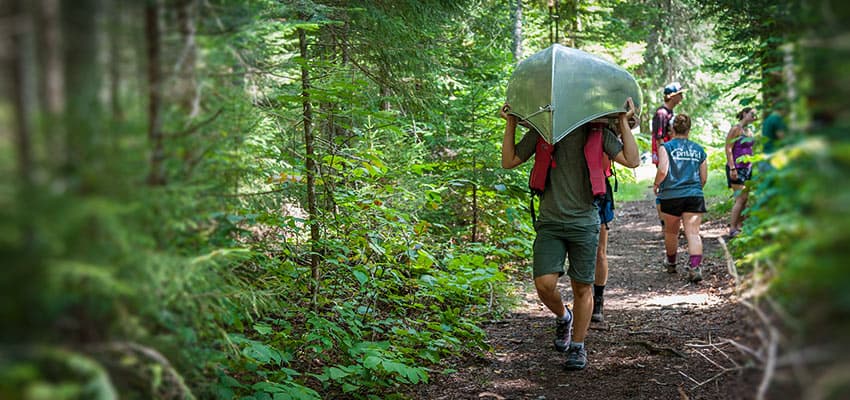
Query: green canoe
x=558, y=89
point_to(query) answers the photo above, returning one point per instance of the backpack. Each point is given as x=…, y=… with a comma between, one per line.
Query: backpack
x=598, y=166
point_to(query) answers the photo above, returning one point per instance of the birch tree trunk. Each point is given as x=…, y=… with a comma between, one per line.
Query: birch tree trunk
x=516, y=44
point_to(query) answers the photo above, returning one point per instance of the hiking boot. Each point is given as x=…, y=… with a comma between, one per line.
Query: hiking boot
x=576, y=358
x=563, y=331
x=695, y=274
x=598, y=302
x=671, y=267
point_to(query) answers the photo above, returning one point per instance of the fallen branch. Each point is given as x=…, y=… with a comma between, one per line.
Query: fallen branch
x=730, y=263
x=744, y=349
x=772, y=344
x=154, y=355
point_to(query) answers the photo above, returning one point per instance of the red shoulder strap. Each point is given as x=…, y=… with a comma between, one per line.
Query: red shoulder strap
x=543, y=161
x=598, y=164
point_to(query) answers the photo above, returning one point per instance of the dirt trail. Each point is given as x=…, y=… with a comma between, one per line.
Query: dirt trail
x=663, y=338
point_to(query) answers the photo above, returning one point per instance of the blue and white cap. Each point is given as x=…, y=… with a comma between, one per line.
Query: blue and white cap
x=673, y=88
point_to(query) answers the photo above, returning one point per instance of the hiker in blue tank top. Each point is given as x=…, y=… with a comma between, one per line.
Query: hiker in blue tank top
x=682, y=172
x=568, y=226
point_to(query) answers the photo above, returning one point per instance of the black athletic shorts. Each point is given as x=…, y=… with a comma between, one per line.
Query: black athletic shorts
x=680, y=205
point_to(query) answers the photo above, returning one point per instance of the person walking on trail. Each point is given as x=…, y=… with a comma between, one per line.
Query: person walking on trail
x=682, y=172
x=568, y=225
x=739, y=142
x=606, y=215
x=674, y=93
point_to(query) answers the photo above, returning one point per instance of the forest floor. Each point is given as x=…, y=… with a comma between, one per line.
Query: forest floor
x=662, y=338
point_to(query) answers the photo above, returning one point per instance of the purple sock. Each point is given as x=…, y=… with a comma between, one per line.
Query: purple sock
x=671, y=259
x=695, y=260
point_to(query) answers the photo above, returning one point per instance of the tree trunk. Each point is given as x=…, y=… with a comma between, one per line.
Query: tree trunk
x=575, y=23
x=53, y=89
x=790, y=79
x=551, y=22
x=311, y=170
x=516, y=44
x=18, y=64
x=82, y=84
x=115, y=36
x=52, y=83
x=385, y=94
x=329, y=128
x=474, y=211
x=188, y=90
x=156, y=175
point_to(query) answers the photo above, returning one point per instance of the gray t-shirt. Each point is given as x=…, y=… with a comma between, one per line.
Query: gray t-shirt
x=567, y=197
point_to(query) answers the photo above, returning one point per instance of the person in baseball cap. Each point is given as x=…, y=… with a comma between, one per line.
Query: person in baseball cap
x=672, y=89
x=660, y=127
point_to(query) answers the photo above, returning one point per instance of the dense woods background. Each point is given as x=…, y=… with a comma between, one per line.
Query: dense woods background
x=303, y=199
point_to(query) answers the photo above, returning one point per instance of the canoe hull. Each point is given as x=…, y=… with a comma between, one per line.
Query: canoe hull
x=558, y=89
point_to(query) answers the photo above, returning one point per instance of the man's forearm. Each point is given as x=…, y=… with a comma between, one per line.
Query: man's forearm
x=509, y=158
x=630, y=150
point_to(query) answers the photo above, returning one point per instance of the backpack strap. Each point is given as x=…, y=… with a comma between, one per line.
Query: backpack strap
x=614, y=174
x=531, y=209
x=544, y=160
x=598, y=164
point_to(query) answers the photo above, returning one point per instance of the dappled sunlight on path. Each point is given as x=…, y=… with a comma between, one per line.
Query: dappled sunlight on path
x=644, y=349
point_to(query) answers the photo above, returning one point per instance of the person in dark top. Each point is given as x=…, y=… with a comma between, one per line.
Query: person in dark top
x=682, y=172
x=568, y=225
x=773, y=129
x=660, y=125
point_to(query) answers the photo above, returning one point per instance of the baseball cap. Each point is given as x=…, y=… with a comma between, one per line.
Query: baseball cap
x=673, y=89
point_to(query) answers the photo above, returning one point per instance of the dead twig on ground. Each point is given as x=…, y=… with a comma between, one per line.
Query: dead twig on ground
x=717, y=375
x=641, y=332
x=709, y=359
x=686, y=376
x=722, y=369
x=730, y=263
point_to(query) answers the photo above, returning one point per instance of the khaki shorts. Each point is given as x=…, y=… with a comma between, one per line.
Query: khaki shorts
x=556, y=242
